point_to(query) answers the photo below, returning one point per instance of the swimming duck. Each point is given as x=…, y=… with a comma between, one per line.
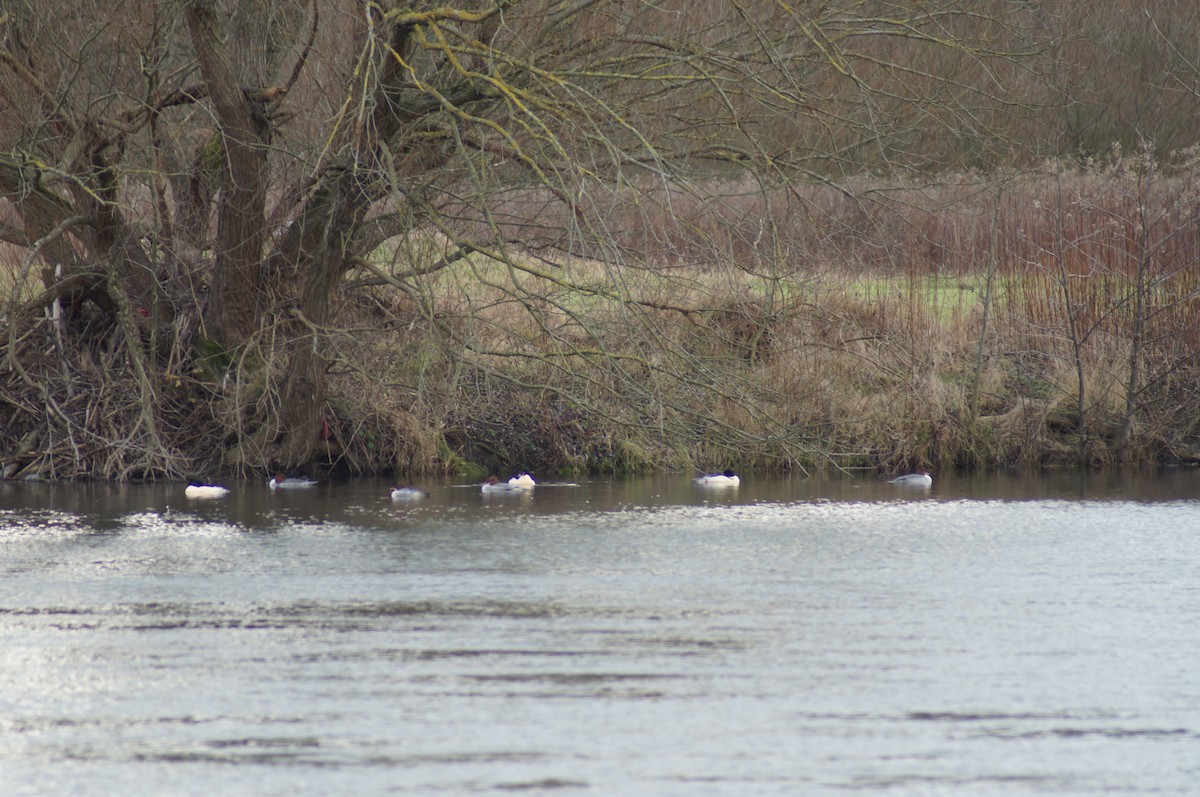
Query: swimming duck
x=405, y=493
x=524, y=481
x=205, y=491
x=494, y=485
x=280, y=482
x=918, y=479
x=725, y=479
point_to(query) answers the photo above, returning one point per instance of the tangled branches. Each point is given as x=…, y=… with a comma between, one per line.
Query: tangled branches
x=80, y=397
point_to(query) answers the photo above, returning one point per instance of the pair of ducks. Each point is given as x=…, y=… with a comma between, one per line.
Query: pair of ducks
x=730, y=479
x=493, y=485
x=277, y=482
x=521, y=482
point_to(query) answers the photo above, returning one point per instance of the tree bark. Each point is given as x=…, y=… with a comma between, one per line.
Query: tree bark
x=232, y=313
x=322, y=245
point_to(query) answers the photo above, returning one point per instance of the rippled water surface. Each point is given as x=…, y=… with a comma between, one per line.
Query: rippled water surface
x=994, y=635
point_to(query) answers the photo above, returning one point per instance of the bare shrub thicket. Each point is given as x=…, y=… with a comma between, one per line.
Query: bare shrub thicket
x=596, y=235
x=813, y=326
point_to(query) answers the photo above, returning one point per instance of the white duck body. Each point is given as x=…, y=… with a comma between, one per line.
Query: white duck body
x=726, y=479
x=522, y=482
x=918, y=479
x=205, y=491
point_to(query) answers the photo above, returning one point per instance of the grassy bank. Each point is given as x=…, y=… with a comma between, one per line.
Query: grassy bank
x=1049, y=319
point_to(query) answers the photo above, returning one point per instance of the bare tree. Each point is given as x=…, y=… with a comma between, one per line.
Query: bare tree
x=248, y=155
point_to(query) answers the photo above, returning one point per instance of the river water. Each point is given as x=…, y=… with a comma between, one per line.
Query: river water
x=996, y=635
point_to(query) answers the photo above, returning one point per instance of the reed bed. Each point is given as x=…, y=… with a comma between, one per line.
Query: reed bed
x=1028, y=320
x=1041, y=320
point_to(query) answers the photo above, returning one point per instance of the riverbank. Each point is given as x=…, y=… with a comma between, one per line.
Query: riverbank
x=1049, y=320
x=1052, y=319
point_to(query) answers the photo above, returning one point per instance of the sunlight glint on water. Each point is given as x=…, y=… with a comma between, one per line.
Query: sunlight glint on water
x=986, y=637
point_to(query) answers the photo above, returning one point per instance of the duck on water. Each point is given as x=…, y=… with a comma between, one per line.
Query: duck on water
x=281, y=482
x=918, y=479
x=403, y=492
x=726, y=479
x=524, y=481
x=513, y=485
x=205, y=491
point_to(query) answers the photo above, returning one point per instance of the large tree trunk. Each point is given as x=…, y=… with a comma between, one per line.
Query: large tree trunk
x=301, y=408
x=321, y=245
x=232, y=313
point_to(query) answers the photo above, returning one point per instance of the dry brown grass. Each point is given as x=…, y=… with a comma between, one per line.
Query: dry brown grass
x=829, y=332
x=847, y=331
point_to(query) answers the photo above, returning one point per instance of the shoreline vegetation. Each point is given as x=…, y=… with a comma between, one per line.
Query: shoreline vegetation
x=243, y=238
x=1047, y=319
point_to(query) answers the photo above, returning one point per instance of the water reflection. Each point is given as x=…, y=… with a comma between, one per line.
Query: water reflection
x=105, y=506
x=1035, y=633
